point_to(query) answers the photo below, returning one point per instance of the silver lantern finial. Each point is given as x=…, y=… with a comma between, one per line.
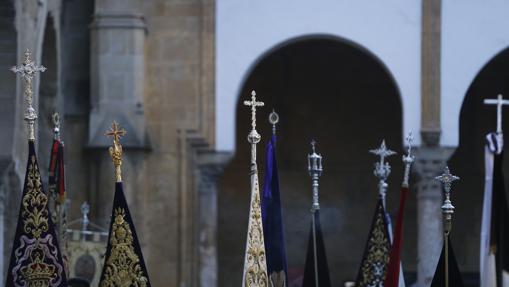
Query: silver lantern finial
x=315, y=170
x=408, y=159
x=85, y=210
x=499, y=102
x=273, y=120
x=447, y=208
x=28, y=69
x=55, y=118
x=382, y=168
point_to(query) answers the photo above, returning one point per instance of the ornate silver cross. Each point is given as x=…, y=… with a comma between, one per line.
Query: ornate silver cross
x=447, y=208
x=499, y=101
x=253, y=137
x=382, y=169
x=28, y=69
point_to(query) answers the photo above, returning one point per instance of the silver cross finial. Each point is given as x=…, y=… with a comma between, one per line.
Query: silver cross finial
x=499, y=102
x=382, y=168
x=447, y=179
x=253, y=137
x=408, y=159
x=447, y=208
x=28, y=70
x=382, y=152
x=273, y=119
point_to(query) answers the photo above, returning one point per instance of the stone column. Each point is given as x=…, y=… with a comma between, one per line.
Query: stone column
x=210, y=166
x=430, y=72
x=429, y=164
x=117, y=87
x=430, y=158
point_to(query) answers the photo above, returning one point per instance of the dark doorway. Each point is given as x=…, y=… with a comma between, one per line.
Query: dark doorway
x=339, y=94
x=476, y=120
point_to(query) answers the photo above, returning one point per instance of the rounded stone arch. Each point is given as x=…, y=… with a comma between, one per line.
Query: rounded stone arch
x=311, y=37
x=340, y=94
x=49, y=100
x=476, y=120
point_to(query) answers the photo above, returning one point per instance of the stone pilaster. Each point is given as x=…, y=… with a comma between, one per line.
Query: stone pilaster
x=200, y=170
x=210, y=165
x=430, y=72
x=117, y=68
x=429, y=163
x=117, y=71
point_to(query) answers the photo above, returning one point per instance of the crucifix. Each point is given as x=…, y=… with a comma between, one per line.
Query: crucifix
x=382, y=168
x=253, y=137
x=499, y=101
x=28, y=69
x=116, y=149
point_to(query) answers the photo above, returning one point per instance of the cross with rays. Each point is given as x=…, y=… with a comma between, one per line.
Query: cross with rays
x=115, y=132
x=382, y=152
x=253, y=104
x=447, y=179
x=499, y=101
x=28, y=69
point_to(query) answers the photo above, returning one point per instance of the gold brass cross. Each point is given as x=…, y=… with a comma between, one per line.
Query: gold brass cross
x=116, y=149
x=115, y=132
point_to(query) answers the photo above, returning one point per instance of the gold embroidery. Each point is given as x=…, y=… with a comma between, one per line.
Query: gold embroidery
x=255, y=265
x=38, y=273
x=123, y=268
x=37, y=262
x=374, y=266
x=35, y=209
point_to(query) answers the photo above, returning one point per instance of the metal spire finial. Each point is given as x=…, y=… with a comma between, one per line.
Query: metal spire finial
x=408, y=159
x=55, y=118
x=499, y=102
x=116, y=149
x=28, y=70
x=315, y=170
x=273, y=119
x=382, y=168
x=85, y=210
x=447, y=208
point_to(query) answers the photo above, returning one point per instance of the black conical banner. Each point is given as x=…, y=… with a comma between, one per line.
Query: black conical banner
x=321, y=267
x=123, y=264
x=376, y=253
x=36, y=259
x=455, y=279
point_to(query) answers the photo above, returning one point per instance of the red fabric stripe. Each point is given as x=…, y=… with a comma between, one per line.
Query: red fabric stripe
x=53, y=158
x=392, y=277
x=61, y=176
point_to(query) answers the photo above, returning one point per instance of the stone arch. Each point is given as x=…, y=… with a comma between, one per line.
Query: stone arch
x=49, y=100
x=475, y=121
x=344, y=97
